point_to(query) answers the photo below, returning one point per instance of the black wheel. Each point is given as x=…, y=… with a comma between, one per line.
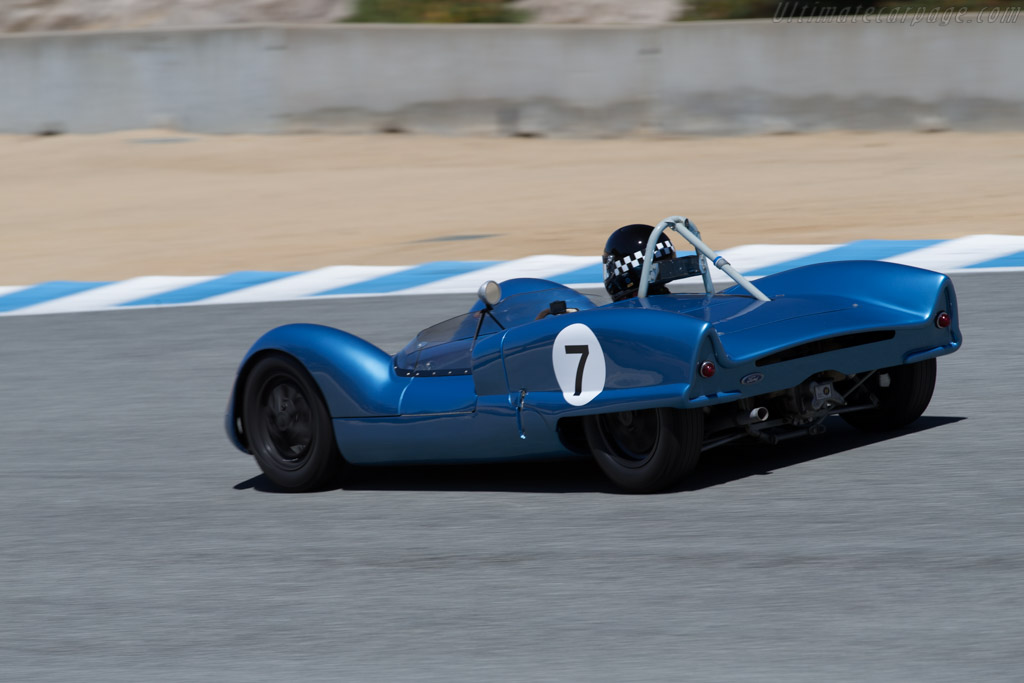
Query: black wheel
x=643, y=451
x=904, y=400
x=288, y=426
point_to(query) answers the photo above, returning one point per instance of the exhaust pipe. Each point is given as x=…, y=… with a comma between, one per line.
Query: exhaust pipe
x=737, y=419
x=759, y=414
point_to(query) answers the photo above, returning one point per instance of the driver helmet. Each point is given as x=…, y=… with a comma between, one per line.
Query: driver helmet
x=624, y=260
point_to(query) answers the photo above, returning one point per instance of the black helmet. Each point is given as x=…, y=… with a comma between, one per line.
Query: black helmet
x=624, y=260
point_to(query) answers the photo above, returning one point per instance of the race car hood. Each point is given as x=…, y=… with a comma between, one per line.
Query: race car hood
x=744, y=340
x=731, y=313
x=862, y=296
x=748, y=329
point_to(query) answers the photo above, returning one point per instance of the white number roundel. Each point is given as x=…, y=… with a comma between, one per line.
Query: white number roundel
x=579, y=364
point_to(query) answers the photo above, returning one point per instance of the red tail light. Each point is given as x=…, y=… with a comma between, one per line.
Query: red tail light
x=942, y=320
x=707, y=369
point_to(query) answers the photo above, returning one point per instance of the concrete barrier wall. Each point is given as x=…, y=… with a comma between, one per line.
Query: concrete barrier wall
x=709, y=77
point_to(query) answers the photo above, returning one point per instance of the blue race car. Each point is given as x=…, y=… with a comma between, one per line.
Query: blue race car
x=644, y=384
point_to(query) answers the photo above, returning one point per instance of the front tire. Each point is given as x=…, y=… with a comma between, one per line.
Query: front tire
x=644, y=451
x=288, y=427
x=903, y=401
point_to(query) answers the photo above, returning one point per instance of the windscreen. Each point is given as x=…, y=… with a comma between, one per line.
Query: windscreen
x=446, y=348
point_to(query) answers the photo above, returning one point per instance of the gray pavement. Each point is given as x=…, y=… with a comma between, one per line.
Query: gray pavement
x=139, y=546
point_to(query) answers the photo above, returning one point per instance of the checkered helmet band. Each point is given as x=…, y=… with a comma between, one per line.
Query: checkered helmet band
x=615, y=267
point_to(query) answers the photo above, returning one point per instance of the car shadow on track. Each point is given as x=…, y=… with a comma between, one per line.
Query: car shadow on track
x=581, y=475
x=734, y=462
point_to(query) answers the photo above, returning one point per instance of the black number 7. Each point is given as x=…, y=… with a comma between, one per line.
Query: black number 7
x=584, y=351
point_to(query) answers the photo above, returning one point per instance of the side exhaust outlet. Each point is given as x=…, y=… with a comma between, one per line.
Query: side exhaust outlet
x=759, y=414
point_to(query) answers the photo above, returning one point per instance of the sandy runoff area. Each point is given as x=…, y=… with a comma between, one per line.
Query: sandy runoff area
x=107, y=207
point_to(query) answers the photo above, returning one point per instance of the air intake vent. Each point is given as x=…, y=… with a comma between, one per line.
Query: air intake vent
x=826, y=346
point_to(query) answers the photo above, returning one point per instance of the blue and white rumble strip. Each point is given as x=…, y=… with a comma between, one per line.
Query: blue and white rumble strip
x=974, y=253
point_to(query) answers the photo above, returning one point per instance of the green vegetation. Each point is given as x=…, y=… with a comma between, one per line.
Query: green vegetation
x=436, y=11
x=781, y=9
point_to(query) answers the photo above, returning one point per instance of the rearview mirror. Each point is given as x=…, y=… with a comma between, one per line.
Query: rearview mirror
x=489, y=293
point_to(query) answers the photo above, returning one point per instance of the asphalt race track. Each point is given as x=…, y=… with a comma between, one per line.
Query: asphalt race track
x=138, y=545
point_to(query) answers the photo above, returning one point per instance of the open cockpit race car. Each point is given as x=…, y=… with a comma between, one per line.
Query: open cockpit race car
x=645, y=384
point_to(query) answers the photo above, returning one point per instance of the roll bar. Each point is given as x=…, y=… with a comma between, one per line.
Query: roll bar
x=688, y=231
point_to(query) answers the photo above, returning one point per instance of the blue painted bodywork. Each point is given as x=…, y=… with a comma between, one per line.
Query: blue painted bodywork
x=452, y=396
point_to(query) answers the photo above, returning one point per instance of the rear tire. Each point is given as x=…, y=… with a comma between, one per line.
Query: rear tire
x=903, y=401
x=288, y=426
x=644, y=451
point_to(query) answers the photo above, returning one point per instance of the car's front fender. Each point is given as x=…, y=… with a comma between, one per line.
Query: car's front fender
x=355, y=377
